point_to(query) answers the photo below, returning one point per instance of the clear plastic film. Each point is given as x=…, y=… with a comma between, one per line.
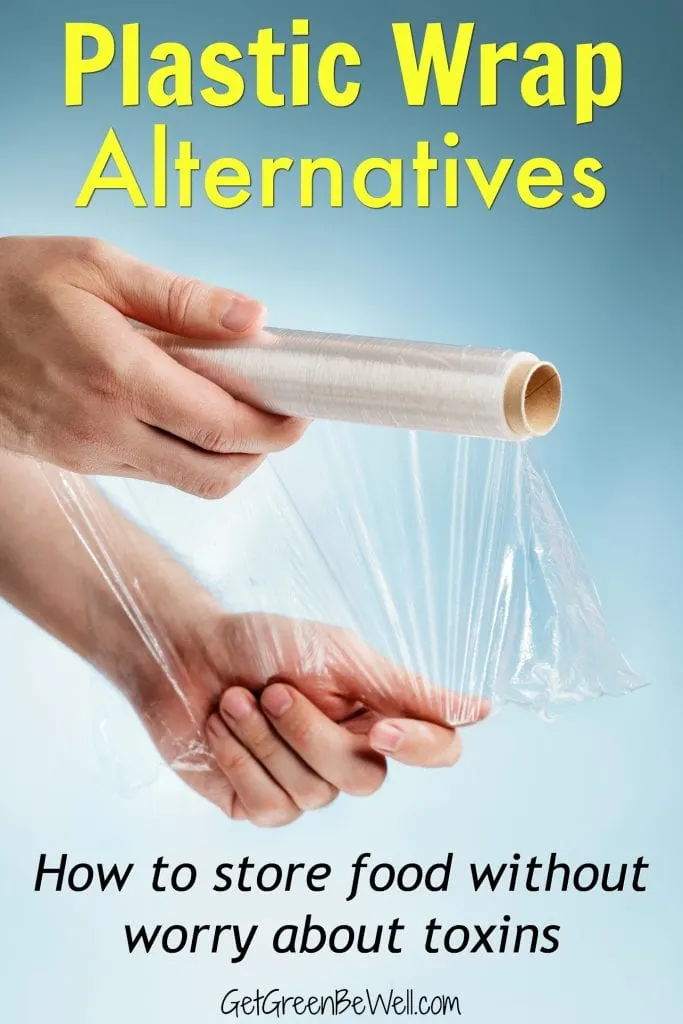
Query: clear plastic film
x=493, y=393
x=379, y=569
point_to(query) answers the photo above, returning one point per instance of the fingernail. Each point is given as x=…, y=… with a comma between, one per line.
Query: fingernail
x=276, y=699
x=236, y=704
x=242, y=313
x=386, y=738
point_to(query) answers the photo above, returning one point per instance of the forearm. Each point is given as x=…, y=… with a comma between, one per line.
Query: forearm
x=99, y=610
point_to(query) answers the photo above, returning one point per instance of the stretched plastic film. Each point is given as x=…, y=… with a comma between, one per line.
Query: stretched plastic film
x=379, y=569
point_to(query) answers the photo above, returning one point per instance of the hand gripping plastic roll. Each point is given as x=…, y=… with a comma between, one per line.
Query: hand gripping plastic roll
x=492, y=393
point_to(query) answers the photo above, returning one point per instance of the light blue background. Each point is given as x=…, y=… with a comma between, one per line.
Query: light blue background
x=599, y=292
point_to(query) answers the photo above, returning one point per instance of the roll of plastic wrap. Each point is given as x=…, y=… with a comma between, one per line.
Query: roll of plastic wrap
x=492, y=393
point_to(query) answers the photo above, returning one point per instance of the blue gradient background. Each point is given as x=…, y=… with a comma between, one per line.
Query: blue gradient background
x=598, y=292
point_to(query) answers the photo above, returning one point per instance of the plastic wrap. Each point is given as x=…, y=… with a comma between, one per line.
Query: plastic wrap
x=379, y=570
x=494, y=393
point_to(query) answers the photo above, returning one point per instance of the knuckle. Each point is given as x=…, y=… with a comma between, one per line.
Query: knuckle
x=299, y=730
x=242, y=443
x=217, y=481
x=88, y=261
x=265, y=745
x=316, y=796
x=219, y=438
x=182, y=295
x=91, y=249
x=365, y=779
x=275, y=816
x=294, y=430
x=282, y=435
x=103, y=381
x=236, y=761
x=209, y=487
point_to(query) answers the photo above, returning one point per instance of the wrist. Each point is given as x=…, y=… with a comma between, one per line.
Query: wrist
x=156, y=644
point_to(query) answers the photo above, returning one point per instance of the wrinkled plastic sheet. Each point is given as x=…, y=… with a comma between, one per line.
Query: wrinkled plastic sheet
x=449, y=557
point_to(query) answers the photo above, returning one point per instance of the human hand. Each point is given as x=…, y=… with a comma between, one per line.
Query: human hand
x=82, y=388
x=291, y=713
x=165, y=643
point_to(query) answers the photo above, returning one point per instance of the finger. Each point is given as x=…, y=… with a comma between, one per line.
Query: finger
x=384, y=687
x=264, y=801
x=172, y=302
x=391, y=691
x=212, y=784
x=416, y=743
x=249, y=725
x=332, y=752
x=183, y=403
x=163, y=459
x=215, y=787
x=154, y=387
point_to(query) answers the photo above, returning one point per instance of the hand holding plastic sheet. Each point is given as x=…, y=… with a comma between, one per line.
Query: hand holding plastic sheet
x=198, y=693
x=448, y=556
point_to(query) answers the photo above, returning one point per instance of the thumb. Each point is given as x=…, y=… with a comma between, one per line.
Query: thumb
x=179, y=305
x=407, y=696
x=392, y=691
